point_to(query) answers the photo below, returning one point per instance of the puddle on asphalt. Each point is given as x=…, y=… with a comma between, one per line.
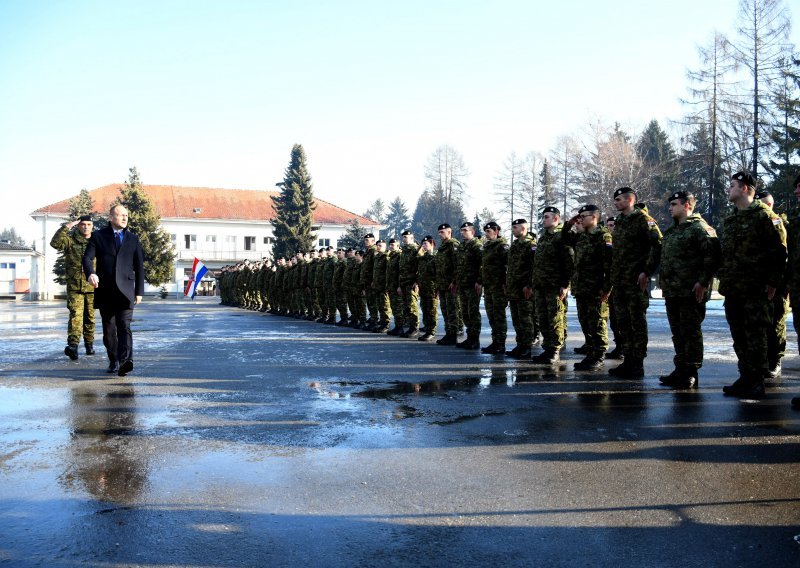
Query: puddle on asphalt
x=420, y=388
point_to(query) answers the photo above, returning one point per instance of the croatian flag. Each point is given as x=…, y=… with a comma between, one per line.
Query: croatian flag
x=198, y=271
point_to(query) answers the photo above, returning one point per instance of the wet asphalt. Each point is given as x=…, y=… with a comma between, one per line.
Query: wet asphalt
x=245, y=439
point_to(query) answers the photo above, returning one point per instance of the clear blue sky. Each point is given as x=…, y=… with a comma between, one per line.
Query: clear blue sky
x=216, y=93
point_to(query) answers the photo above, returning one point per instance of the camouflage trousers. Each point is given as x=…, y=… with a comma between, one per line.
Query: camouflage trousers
x=749, y=318
x=318, y=301
x=551, y=314
x=685, y=316
x=522, y=320
x=398, y=310
x=470, y=302
x=451, y=311
x=631, y=304
x=330, y=303
x=612, y=318
x=341, y=303
x=429, y=303
x=410, y=300
x=776, y=335
x=81, y=317
x=371, y=299
x=495, y=302
x=384, y=307
x=358, y=307
x=593, y=317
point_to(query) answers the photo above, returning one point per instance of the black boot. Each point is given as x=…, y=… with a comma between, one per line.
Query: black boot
x=71, y=351
x=745, y=387
x=589, y=363
x=412, y=333
x=489, y=348
x=630, y=369
x=427, y=336
x=670, y=378
x=89, y=346
x=547, y=357
x=472, y=342
x=448, y=339
x=582, y=350
x=615, y=353
x=396, y=330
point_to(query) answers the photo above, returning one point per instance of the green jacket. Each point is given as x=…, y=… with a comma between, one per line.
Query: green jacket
x=753, y=251
x=690, y=253
x=426, y=273
x=468, y=263
x=494, y=263
x=637, y=248
x=328, y=270
x=73, y=245
x=553, y=263
x=366, y=272
x=592, y=261
x=409, y=260
x=339, y=273
x=520, y=266
x=446, y=263
x=379, y=267
x=393, y=271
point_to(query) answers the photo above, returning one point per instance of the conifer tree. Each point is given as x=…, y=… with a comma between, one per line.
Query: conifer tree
x=354, y=237
x=159, y=254
x=294, y=208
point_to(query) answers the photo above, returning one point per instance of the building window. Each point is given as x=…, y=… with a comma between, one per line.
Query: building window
x=269, y=240
x=3, y=265
x=190, y=242
x=249, y=243
x=12, y=265
x=211, y=239
x=230, y=242
x=173, y=239
x=324, y=242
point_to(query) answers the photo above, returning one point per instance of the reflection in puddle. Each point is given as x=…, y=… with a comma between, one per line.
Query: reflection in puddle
x=421, y=388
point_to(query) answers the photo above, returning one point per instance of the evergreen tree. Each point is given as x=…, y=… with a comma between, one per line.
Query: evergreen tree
x=397, y=219
x=353, y=237
x=432, y=210
x=784, y=167
x=159, y=254
x=376, y=211
x=12, y=237
x=547, y=196
x=660, y=161
x=694, y=172
x=80, y=205
x=294, y=208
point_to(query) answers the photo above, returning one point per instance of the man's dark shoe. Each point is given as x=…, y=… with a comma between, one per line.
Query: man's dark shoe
x=615, y=353
x=448, y=339
x=547, y=357
x=113, y=367
x=582, y=350
x=589, y=363
x=125, y=367
x=71, y=351
x=89, y=347
x=427, y=336
x=745, y=388
x=412, y=333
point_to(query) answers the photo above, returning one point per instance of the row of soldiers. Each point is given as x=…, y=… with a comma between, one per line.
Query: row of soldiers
x=608, y=270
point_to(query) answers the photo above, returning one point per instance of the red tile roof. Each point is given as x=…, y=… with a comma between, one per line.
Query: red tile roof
x=173, y=202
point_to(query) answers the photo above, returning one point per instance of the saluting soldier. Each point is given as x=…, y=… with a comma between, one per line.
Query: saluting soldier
x=494, y=266
x=591, y=282
x=636, y=256
x=428, y=295
x=753, y=266
x=690, y=256
x=393, y=284
x=519, y=288
x=553, y=265
x=408, y=289
x=445, y=284
x=72, y=238
x=469, y=284
x=776, y=338
x=379, y=286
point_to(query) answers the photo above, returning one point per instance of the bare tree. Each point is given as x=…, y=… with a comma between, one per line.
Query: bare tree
x=565, y=160
x=509, y=185
x=446, y=176
x=532, y=195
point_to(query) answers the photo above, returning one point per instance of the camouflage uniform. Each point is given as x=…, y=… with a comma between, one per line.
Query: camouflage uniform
x=637, y=249
x=519, y=276
x=793, y=267
x=468, y=273
x=379, y=288
x=80, y=294
x=409, y=260
x=591, y=280
x=395, y=299
x=370, y=296
x=776, y=336
x=493, y=268
x=753, y=257
x=553, y=266
x=428, y=298
x=357, y=294
x=329, y=268
x=445, y=273
x=340, y=290
x=690, y=253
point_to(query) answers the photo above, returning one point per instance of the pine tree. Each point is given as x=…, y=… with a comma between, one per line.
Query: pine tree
x=294, y=208
x=397, y=219
x=354, y=237
x=694, y=172
x=376, y=211
x=80, y=205
x=660, y=161
x=784, y=167
x=144, y=222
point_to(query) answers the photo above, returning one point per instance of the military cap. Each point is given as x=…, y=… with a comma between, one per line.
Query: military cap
x=321, y=250
x=444, y=226
x=392, y=241
x=745, y=177
x=359, y=252
x=625, y=189
x=762, y=193
x=330, y=247
x=611, y=219
x=406, y=232
x=519, y=222
x=369, y=236
x=85, y=218
x=491, y=225
x=428, y=239
x=467, y=225
x=680, y=195
x=551, y=209
x=380, y=241
x=588, y=209
x=349, y=249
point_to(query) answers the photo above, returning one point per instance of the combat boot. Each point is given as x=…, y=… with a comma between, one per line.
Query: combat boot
x=547, y=357
x=472, y=342
x=670, y=378
x=382, y=329
x=615, y=353
x=463, y=344
x=630, y=369
x=448, y=339
x=89, y=347
x=500, y=349
x=582, y=350
x=745, y=387
x=686, y=378
x=341, y=323
x=489, y=348
x=71, y=351
x=589, y=363
x=396, y=330
x=412, y=333
x=428, y=336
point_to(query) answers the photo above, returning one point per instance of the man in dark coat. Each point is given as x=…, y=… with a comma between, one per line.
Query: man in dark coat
x=118, y=279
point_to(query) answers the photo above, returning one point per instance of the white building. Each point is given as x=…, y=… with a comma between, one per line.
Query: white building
x=20, y=268
x=218, y=226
